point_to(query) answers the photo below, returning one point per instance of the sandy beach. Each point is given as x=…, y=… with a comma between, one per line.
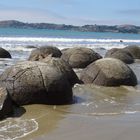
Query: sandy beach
x=109, y=113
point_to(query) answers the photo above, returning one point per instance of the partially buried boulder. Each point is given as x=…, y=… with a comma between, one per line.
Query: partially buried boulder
x=43, y=52
x=121, y=54
x=38, y=82
x=4, y=53
x=79, y=57
x=5, y=103
x=109, y=72
x=134, y=50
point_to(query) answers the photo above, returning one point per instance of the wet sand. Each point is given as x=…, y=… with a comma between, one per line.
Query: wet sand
x=109, y=114
x=100, y=113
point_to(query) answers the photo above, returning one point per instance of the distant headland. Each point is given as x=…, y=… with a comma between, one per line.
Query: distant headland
x=85, y=28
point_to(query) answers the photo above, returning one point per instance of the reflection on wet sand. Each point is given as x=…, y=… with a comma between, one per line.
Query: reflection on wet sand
x=46, y=117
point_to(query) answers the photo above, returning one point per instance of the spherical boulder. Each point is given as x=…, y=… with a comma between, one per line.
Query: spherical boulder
x=79, y=57
x=134, y=50
x=43, y=52
x=4, y=53
x=5, y=103
x=38, y=82
x=121, y=54
x=64, y=68
x=109, y=72
x=111, y=51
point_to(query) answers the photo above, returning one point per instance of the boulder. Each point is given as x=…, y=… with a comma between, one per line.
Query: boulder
x=38, y=82
x=121, y=54
x=4, y=53
x=134, y=50
x=109, y=72
x=43, y=52
x=79, y=57
x=111, y=51
x=5, y=103
x=64, y=68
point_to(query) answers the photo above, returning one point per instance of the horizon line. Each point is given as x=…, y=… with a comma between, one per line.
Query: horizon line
x=26, y=22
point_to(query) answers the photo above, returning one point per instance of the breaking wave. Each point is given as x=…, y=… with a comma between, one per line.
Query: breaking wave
x=45, y=39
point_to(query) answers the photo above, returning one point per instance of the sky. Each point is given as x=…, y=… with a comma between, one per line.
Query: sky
x=75, y=12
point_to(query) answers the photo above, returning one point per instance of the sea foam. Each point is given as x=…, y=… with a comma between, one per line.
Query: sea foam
x=46, y=39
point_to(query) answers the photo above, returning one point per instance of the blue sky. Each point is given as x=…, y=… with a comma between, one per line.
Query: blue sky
x=76, y=12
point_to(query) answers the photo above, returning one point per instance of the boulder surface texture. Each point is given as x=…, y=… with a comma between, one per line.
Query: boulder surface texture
x=109, y=72
x=43, y=52
x=79, y=57
x=38, y=82
x=134, y=50
x=121, y=54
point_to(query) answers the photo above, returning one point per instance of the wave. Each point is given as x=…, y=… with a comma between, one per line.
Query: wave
x=19, y=44
x=63, y=40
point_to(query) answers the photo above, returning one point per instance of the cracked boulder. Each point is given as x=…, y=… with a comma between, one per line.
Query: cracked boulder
x=38, y=82
x=134, y=50
x=5, y=103
x=4, y=53
x=121, y=54
x=79, y=57
x=109, y=72
x=43, y=52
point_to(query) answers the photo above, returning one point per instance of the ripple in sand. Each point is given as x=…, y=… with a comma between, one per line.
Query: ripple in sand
x=12, y=129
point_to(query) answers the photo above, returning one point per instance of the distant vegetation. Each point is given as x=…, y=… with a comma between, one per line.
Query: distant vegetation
x=85, y=28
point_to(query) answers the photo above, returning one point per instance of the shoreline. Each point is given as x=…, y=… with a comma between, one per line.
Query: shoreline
x=98, y=113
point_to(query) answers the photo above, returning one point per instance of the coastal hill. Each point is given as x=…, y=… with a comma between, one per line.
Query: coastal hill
x=85, y=28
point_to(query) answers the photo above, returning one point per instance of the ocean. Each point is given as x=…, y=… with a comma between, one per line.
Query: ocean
x=107, y=113
x=17, y=40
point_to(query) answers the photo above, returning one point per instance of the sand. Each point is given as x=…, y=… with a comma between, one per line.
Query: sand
x=99, y=113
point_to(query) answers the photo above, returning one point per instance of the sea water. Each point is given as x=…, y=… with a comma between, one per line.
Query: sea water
x=93, y=104
x=14, y=39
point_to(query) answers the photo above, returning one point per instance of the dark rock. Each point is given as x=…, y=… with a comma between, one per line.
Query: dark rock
x=43, y=52
x=4, y=53
x=134, y=50
x=79, y=57
x=109, y=72
x=5, y=103
x=38, y=82
x=121, y=54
